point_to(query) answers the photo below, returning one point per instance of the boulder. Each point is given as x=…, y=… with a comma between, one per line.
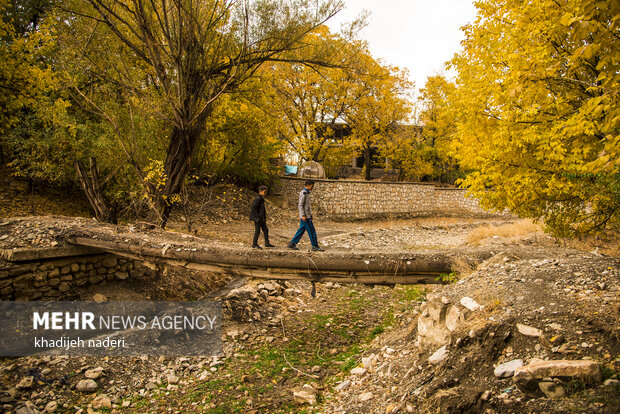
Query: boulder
x=432, y=330
x=551, y=390
x=436, y=311
x=51, y=407
x=370, y=361
x=86, y=386
x=365, y=396
x=122, y=275
x=456, y=316
x=26, y=382
x=529, y=331
x=243, y=303
x=526, y=378
x=507, y=369
x=98, y=297
x=305, y=395
x=343, y=385
x=470, y=304
x=439, y=355
x=102, y=402
x=94, y=373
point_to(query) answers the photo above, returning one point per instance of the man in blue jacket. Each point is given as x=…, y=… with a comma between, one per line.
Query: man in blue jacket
x=305, y=214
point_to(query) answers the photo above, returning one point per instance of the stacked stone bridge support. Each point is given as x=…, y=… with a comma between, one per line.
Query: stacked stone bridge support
x=48, y=273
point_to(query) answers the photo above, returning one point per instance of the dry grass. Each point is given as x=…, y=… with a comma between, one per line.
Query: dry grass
x=608, y=243
x=462, y=267
x=517, y=230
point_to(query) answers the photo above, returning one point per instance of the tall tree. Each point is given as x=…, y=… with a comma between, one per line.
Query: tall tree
x=438, y=120
x=178, y=57
x=381, y=100
x=27, y=81
x=310, y=101
x=539, y=113
x=370, y=97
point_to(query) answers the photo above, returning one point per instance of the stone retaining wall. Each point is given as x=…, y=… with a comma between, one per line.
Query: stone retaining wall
x=49, y=278
x=363, y=198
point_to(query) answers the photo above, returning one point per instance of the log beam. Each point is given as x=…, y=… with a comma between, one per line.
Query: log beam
x=369, y=268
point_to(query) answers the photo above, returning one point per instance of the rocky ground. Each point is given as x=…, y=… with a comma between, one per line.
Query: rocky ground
x=461, y=349
x=476, y=344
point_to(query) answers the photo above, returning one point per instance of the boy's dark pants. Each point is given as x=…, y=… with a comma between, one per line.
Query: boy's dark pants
x=257, y=228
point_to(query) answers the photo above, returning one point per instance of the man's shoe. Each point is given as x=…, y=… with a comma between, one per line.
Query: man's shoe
x=317, y=249
x=269, y=245
x=292, y=246
x=256, y=246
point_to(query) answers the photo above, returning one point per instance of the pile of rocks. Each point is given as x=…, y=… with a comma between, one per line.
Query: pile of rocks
x=255, y=303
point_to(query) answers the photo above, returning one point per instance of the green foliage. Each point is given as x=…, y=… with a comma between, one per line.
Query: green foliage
x=411, y=293
x=239, y=142
x=451, y=277
x=538, y=111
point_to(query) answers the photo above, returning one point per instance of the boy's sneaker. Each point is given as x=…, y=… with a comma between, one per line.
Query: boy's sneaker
x=292, y=246
x=256, y=246
x=317, y=249
x=269, y=245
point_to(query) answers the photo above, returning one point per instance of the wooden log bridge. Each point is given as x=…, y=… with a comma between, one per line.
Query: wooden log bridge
x=336, y=266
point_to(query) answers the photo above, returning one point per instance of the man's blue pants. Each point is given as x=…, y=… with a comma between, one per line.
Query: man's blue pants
x=303, y=227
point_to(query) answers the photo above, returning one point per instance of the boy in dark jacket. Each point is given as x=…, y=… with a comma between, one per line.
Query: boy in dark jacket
x=258, y=215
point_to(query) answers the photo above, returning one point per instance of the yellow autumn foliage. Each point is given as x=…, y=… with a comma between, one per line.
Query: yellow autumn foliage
x=537, y=111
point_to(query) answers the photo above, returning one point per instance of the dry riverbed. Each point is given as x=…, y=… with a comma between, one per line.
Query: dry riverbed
x=356, y=348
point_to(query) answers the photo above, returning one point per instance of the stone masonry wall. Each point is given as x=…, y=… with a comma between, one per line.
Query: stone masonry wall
x=362, y=198
x=47, y=279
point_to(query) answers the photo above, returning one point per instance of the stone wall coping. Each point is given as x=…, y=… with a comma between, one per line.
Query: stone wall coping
x=368, y=182
x=25, y=254
x=449, y=189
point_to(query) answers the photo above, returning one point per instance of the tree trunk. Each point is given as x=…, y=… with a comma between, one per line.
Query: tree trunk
x=178, y=161
x=367, y=162
x=92, y=189
x=392, y=263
